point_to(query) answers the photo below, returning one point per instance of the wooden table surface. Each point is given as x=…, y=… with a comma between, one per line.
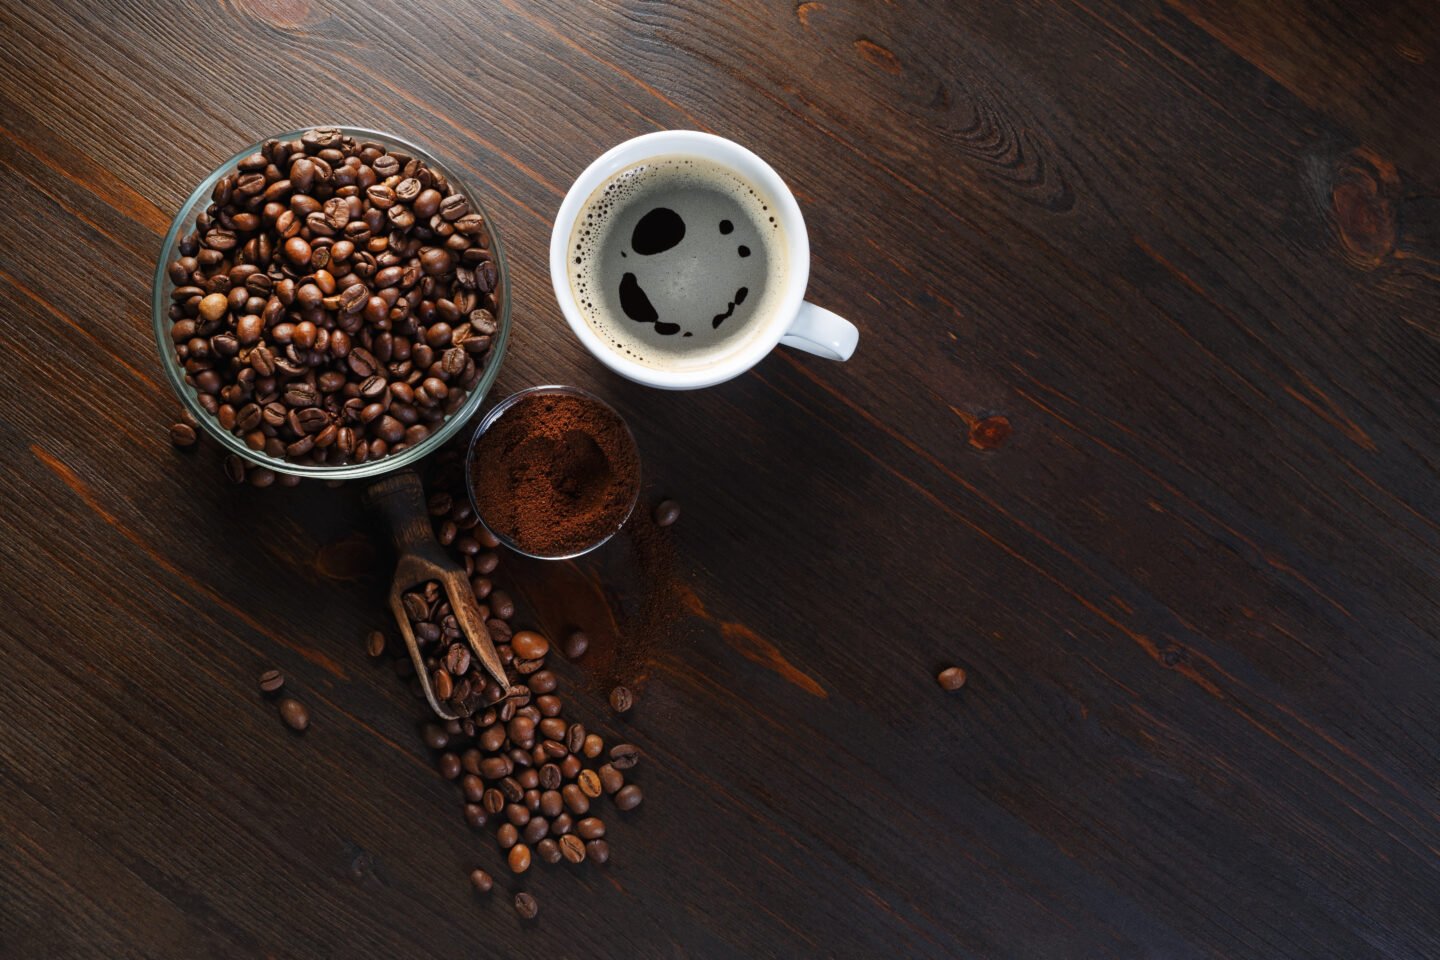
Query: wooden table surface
x=1188, y=250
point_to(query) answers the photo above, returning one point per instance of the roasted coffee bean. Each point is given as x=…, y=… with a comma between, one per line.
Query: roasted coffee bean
x=182, y=435
x=542, y=681
x=475, y=791
x=492, y=738
x=435, y=736
x=591, y=828
x=572, y=848
x=593, y=746
x=496, y=768
x=549, y=705
x=522, y=731
x=598, y=850
x=529, y=644
x=624, y=756
x=519, y=858
x=481, y=881
x=532, y=800
x=375, y=643
x=235, y=469
x=548, y=850
x=517, y=813
x=526, y=906
x=666, y=513
x=570, y=767
x=493, y=801
x=575, y=800
x=551, y=802
x=611, y=779
x=511, y=789
x=448, y=765
x=475, y=815
x=561, y=824
x=271, y=680
x=575, y=645
x=507, y=835
x=621, y=700
x=444, y=686
x=554, y=749
x=501, y=605
x=529, y=778
x=628, y=797
x=457, y=659
x=294, y=714
x=575, y=738
x=589, y=783
x=536, y=830
x=552, y=728
x=952, y=678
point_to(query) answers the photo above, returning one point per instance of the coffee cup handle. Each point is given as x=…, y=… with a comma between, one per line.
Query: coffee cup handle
x=825, y=334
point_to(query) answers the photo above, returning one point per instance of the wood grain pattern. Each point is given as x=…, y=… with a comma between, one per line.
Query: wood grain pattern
x=1188, y=250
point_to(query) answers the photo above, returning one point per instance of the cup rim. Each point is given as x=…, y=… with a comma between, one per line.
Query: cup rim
x=743, y=162
x=489, y=420
x=449, y=427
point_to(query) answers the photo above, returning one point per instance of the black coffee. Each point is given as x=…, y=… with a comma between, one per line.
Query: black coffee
x=677, y=262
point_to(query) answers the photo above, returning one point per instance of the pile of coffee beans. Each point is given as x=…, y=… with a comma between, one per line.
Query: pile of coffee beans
x=524, y=770
x=335, y=302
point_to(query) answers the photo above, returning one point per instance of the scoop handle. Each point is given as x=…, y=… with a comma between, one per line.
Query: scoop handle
x=399, y=498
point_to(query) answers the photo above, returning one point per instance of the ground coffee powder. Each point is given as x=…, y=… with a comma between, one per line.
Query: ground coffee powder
x=555, y=473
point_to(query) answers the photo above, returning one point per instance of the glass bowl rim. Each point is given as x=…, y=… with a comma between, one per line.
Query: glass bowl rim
x=160, y=321
x=494, y=414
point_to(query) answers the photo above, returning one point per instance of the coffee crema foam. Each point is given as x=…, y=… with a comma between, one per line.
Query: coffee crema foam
x=676, y=262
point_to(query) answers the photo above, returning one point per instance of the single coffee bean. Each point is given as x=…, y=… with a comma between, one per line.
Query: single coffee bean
x=621, y=700
x=375, y=643
x=519, y=858
x=481, y=881
x=271, y=680
x=475, y=791
x=475, y=815
x=598, y=850
x=570, y=767
x=952, y=678
x=561, y=824
x=575, y=645
x=593, y=745
x=501, y=605
x=496, y=768
x=624, y=756
x=511, y=789
x=575, y=800
x=182, y=435
x=435, y=736
x=536, y=830
x=572, y=848
x=611, y=779
x=548, y=850
x=235, y=469
x=532, y=800
x=529, y=778
x=589, y=783
x=551, y=803
x=542, y=681
x=507, y=836
x=294, y=714
x=448, y=765
x=575, y=738
x=552, y=728
x=554, y=749
x=529, y=645
x=666, y=513
x=517, y=813
x=591, y=828
x=549, y=778
x=526, y=906
x=493, y=801
x=629, y=797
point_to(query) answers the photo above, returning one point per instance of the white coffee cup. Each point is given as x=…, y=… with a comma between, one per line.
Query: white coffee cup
x=794, y=321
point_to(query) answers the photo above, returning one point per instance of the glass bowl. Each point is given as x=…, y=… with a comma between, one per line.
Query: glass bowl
x=494, y=415
x=160, y=304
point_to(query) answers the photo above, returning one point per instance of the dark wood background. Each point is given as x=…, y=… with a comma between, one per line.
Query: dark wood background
x=1190, y=251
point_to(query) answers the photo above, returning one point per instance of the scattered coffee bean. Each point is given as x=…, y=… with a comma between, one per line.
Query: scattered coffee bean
x=589, y=783
x=475, y=815
x=548, y=850
x=182, y=435
x=598, y=850
x=593, y=745
x=526, y=906
x=481, y=881
x=501, y=605
x=271, y=680
x=529, y=645
x=624, y=756
x=572, y=848
x=375, y=643
x=294, y=714
x=575, y=644
x=666, y=513
x=519, y=858
x=448, y=765
x=611, y=779
x=629, y=797
x=621, y=700
x=952, y=678
x=591, y=828
x=507, y=836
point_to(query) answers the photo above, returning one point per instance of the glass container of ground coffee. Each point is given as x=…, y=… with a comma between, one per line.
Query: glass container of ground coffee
x=553, y=472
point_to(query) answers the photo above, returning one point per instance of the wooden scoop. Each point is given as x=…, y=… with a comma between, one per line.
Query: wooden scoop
x=400, y=499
